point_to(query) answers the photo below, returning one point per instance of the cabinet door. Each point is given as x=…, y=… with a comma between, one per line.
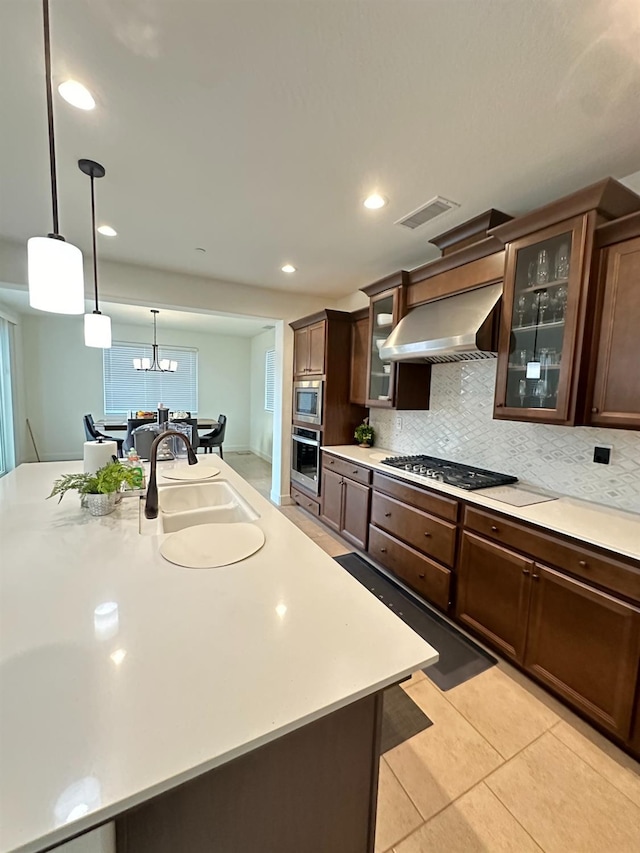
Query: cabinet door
x=584, y=644
x=542, y=302
x=316, y=348
x=616, y=399
x=359, y=346
x=332, y=499
x=383, y=315
x=493, y=593
x=301, y=352
x=355, y=512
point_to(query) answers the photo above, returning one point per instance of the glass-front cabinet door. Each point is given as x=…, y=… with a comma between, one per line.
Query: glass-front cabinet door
x=542, y=297
x=381, y=375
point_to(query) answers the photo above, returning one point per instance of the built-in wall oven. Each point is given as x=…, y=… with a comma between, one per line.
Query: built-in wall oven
x=307, y=401
x=305, y=458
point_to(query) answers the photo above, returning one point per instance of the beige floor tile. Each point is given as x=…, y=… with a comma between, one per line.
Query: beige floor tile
x=397, y=816
x=563, y=803
x=506, y=714
x=535, y=690
x=331, y=546
x=442, y=762
x=616, y=766
x=476, y=823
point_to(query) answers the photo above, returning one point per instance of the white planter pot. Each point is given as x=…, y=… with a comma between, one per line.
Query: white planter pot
x=101, y=504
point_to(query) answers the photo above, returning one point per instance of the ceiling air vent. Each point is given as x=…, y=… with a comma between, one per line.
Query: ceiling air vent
x=436, y=207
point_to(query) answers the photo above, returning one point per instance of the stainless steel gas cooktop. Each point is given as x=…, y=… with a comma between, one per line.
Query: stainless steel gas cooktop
x=453, y=473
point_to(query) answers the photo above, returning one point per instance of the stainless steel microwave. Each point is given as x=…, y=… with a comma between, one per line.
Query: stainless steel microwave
x=307, y=401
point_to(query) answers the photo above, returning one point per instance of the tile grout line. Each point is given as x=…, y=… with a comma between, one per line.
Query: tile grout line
x=595, y=769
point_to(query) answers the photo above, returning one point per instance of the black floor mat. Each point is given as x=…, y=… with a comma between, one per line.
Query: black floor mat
x=460, y=658
x=401, y=718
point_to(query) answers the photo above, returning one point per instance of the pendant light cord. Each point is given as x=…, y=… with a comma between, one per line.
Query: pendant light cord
x=93, y=236
x=52, y=142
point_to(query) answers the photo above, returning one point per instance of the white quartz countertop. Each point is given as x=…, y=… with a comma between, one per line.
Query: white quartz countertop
x=122, y=675
x=613, y=529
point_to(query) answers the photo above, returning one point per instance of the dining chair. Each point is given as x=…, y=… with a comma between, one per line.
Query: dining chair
x=215, y=437
x=93, y=434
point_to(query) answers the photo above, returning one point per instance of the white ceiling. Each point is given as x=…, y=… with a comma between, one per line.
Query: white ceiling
x=135, y=315
x=254, y=129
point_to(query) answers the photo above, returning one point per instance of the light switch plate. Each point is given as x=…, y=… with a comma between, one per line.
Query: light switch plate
x=602, y=453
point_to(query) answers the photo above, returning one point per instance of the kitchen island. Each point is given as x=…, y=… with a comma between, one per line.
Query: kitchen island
x=200, y=709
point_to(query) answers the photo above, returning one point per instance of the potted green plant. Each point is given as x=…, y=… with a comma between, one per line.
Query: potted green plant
x=100, y=490
x=364, y=434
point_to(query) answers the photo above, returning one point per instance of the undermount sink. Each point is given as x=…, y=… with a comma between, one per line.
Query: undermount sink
x=196, y=503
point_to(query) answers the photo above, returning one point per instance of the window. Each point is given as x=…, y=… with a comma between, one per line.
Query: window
x=127, y=389
x=269, y=380
x=7, y=451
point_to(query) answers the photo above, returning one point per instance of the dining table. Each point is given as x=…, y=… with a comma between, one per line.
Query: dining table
x=108, y=425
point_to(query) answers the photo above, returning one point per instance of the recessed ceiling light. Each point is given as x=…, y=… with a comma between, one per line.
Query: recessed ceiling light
x=375, y=201
x=107, y=231
x=77, y=95
x=288, y=268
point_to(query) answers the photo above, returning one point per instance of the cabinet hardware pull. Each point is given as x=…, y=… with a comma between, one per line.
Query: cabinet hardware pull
x=355, y=471
x=332, y=462
x=595, y=410
x=428, y=535
x=421, y=575
x=582, y=563
x=387, y=514
x=526, y=571
x=494, y=528
x=383, y=550
x=498, y=405
x=535, y=577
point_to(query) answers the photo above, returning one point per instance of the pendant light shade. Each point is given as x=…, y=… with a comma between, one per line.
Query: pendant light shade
x=97, y=330
x=56, y=276
x=97, y=326
x=55, y=272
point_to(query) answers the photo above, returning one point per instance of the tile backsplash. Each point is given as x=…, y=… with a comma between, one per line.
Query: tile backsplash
x=460, y=427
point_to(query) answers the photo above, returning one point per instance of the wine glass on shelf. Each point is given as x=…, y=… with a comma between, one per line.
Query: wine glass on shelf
x=540, y=391
x=543, y=304
x=562, y=262
x=532, y=271
x=561, y=295
x=522, y=307
x=522, y=391
x=542, y=270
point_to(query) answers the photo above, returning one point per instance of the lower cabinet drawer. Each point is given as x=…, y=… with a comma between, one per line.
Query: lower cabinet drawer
x=359, y=473
x=422, y=531
x=305, y=501
x=428, y=579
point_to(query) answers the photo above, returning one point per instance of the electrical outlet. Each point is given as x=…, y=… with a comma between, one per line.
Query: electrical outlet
x=602, y=454
x=398, y=423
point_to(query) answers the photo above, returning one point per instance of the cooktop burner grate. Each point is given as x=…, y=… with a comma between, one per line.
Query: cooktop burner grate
x=452, y=473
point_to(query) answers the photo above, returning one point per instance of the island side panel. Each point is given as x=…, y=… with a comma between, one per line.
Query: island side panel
x=313, y=790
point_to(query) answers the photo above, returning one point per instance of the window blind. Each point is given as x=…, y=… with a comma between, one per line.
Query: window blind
x=269, y=380
x=127, y=389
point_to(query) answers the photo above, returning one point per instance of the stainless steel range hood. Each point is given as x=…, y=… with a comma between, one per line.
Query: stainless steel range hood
x=455, y=328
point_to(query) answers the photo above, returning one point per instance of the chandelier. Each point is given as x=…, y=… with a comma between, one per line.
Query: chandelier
x=155, y=365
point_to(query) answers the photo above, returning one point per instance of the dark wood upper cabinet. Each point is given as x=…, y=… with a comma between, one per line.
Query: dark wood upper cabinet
x=308, y=350
x=359, y=348
x=550, y=292
x=399, y=385
x=541, y=323
x=616, y=379
x=585, y=645
x=317, y=348
x=493, y=593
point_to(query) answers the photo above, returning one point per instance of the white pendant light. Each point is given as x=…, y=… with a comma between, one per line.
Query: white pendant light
x=155, y=365
x=97, y=326
x=55, y=273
